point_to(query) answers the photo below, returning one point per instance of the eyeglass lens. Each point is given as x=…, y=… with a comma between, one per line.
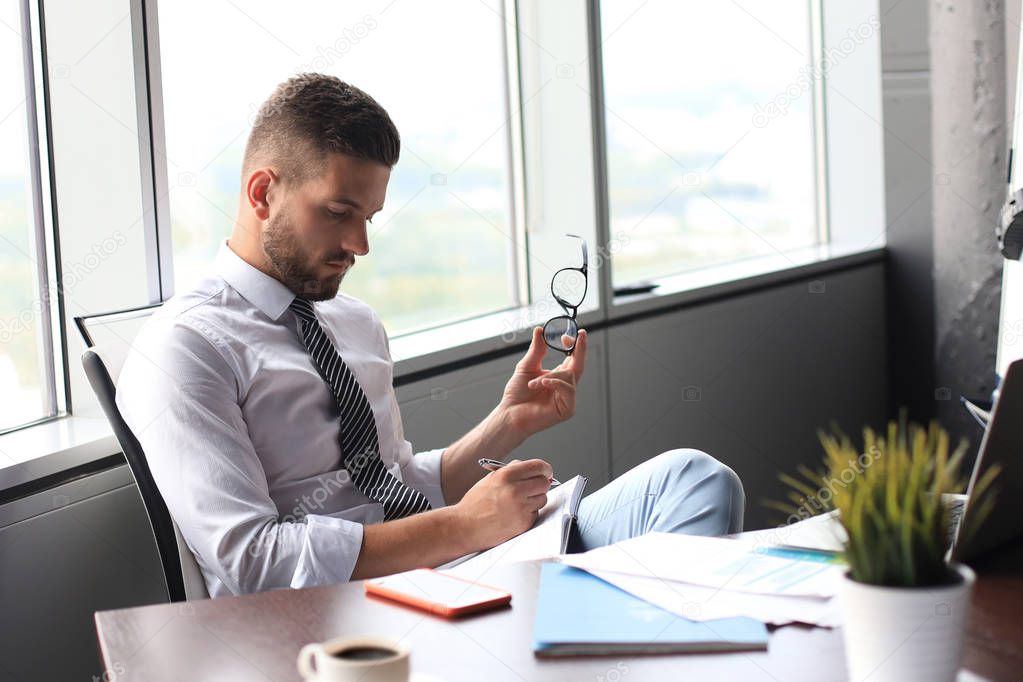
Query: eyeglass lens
x=561, y=333
x=569, y=286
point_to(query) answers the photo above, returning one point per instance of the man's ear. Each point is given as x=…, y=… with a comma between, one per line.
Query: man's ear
x=258, y=190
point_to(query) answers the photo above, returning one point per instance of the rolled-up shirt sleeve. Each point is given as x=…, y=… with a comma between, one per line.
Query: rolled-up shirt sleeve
x=180, y=397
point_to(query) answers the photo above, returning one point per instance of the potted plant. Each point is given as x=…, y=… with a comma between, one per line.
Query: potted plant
x=904, y=605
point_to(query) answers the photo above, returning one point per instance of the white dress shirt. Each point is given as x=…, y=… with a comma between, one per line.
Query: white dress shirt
x=241, y=431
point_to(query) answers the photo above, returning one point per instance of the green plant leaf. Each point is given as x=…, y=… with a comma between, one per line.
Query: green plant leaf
x=892, y=508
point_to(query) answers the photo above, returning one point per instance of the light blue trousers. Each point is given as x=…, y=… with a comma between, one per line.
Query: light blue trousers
x=679, y=491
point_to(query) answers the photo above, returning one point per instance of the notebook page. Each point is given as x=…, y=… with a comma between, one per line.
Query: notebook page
x=545, y=539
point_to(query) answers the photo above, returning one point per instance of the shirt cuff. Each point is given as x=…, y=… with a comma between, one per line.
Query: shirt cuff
x=329, y=553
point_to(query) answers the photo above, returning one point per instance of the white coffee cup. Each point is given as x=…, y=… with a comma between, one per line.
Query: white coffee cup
x=351, y=659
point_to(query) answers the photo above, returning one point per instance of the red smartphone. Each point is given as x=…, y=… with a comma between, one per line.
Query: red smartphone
x=436, y=592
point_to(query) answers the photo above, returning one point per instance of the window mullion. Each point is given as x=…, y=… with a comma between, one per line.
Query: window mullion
x=820, y=120
x=519, y=271
x=152, y=154
x=600, y=190
x=44, y=330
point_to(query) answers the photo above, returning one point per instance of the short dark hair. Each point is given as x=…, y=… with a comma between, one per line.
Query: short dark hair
x=313, y=114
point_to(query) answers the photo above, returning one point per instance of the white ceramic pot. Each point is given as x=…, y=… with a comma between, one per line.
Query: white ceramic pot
x=895, y=634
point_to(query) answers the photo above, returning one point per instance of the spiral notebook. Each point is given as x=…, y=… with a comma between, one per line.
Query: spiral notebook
x=547, y=538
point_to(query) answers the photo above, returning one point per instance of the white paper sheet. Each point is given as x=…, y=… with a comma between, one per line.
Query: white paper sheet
x=696, y=602
x=823, y=532
x=712, y=562
x=544, y=540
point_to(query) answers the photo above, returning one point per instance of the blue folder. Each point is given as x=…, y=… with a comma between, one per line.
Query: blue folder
x=578, y=613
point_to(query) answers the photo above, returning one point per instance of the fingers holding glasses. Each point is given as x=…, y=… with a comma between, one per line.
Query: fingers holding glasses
x=532, y=361
x=577, y=360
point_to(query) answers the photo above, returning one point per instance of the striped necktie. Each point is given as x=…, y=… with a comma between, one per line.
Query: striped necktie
x=360, y=447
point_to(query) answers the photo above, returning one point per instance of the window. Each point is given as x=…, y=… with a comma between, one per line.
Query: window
x=445, y=245
x=714, y=146
x=26, y=346
x=710, y=132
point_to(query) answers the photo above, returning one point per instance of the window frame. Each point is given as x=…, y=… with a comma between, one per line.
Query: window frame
x=156, y=184
x=855, y=236
x=44, y=236
x=838, y=239
x=488, y=333
x=145, y=35
x=818, y=142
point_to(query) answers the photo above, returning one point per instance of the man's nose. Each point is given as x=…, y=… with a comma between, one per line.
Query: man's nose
x=357, y=241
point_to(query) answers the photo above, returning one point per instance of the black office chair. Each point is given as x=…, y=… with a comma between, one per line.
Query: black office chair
x=102, y=364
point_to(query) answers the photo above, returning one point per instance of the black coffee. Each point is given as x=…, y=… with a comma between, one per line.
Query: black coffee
x=364, y=653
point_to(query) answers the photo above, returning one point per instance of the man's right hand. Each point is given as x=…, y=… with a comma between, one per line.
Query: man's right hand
x=504, y=503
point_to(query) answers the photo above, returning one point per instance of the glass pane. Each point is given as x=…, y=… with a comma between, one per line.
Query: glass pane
x=441, y=248
x=22, y=353
x=709, y=132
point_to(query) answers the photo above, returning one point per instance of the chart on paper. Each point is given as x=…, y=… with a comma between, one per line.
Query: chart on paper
x=713, y=562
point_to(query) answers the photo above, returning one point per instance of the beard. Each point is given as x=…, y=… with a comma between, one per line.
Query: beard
x=292, y=266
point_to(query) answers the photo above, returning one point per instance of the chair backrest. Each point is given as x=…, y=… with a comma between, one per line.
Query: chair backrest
x=184, y=580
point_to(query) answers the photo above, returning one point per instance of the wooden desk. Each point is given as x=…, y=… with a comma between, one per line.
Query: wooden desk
x=994, y=639
x=258, y=637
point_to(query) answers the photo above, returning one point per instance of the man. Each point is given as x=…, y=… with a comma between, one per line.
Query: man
x=263, y=398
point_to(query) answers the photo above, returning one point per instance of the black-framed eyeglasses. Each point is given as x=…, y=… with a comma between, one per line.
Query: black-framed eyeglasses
x=561, y=332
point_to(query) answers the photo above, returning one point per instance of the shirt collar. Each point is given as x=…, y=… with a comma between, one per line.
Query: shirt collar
x=257, y=287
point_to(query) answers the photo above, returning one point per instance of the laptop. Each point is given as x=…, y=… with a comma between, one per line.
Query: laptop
x=1002, y=445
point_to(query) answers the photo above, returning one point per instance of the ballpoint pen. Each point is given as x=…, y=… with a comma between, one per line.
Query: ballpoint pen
x=495, y=464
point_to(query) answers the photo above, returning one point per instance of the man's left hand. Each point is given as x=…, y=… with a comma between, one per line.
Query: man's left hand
x=535, y=398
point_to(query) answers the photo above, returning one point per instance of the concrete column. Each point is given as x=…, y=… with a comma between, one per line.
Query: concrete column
x=968, y=86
